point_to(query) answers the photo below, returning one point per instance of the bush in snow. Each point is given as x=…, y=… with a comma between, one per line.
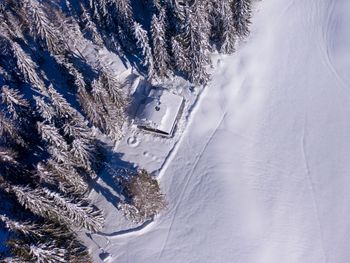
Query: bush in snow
x=146, y=197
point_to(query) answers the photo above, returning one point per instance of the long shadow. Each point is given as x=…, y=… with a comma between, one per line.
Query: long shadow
x=112, y=173
x=130, y=230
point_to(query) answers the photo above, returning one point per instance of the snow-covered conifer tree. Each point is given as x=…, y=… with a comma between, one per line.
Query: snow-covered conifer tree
x=179, y=55
x=50, y=134
x=15, y=103
x=160, y=54
x=65, y=175
x=93, y=111
x=63, y=108
x=41, y=26
x=123, y=8
x=8, y=132
x=45, y=109
x=83, y=151
x=38, y=252
x=228, y=37
x=91, y=31
x=110, y=101
x=26, y=228
x=155, y=6
x=28, y=68
x=114, y=89
x=75, y=126
x=47, y=253
x=52, y=205
x=7, y=155
x=143, y=43
x=241, y=16
x=196, y=38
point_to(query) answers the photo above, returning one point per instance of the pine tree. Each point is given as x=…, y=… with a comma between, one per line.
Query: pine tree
x=90, y=31
x=38, y=252
x=65, y=175
x=155, y=6
x=123, y=9
x=50, y=134
x=241, y=16
x=28, y=68
x=93, y=111
x=45, y=109
x=16, y=105
x=107, y=100
x=83, y=151
x=8, y=132
x=11, y=21
x=41, y=27
x=228, y=38
x=196, y=37
x=143, y=44
x=26, y=228
x=75, y=127
x=114, y=89
x=47, y=253
x=62, y=107
x=52, y=205
x=160, y=53
x=179, y=55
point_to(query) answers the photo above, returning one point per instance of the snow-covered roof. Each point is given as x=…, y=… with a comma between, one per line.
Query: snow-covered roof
x=159, y=111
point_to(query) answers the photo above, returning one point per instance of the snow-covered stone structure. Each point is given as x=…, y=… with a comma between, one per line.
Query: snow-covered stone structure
x=159, y=112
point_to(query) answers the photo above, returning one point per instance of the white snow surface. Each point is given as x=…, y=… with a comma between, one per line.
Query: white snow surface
x=261, y=173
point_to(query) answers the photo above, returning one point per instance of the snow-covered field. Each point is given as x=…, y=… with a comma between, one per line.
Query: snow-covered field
x=262, y=172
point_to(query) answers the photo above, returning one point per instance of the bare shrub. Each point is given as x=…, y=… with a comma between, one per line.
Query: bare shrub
x=146, y=199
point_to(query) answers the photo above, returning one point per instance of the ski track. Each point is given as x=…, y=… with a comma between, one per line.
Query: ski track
x=187, y=182
x=312, y=188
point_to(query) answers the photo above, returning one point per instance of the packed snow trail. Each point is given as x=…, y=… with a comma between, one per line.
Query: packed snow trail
x=268, y=182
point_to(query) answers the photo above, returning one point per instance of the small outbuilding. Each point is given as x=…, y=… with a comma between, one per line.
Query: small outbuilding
x=159, y=111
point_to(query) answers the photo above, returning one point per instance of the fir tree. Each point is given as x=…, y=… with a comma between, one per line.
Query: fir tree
x=93, y=111
x=90, y=30
x=9, y=132
x=28, y=68
x=179, y=55
x=241, y=16
x=8, y=156
x=45, y=109
x=143, y=44
x=196, y=38
x=107, y=101
x=38, y=252
x=123, y=9
x=65, y=175
x=228, y=38
x=50, y=134
x=52, y=205
x=41, y=27
x=25, y=228
x=16, y=105
x=160, y=54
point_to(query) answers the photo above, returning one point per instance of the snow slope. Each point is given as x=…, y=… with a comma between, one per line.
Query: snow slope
x=261, y=175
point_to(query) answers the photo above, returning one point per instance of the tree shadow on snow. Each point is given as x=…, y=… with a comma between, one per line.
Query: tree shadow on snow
x=109, y=182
